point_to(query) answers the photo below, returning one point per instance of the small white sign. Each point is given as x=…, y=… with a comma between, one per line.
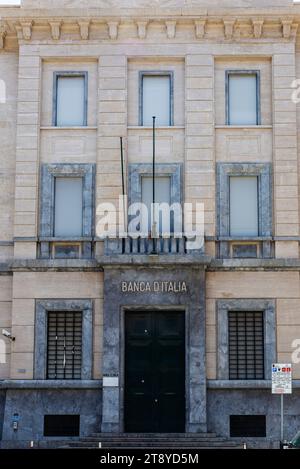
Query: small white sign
x=281, y=378
x=110, y=382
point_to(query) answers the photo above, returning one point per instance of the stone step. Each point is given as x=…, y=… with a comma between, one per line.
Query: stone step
x=134, y=445
x=154, y=435
x=152, y=440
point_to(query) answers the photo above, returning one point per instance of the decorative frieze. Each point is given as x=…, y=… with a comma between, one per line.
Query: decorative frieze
x=26, y=27
x=257, y=28
x=233, y=28
x=113, y=29
x=229, y=28
x=200, y=28
x=142, y=29
x=84, y=27
x=3, y=32
x=55, y=29
x=171, y=29
x=286, y=28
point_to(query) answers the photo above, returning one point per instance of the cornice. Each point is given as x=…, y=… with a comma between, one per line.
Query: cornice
x=206, y=28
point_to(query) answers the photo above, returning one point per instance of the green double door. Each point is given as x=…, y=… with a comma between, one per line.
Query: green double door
x=155, y=372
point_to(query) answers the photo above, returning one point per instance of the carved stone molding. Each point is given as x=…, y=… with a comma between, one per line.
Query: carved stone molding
x=233, y=28
x=3, y=32
x=84, y=27
x=113, y=29
x=286, y=28
x=294, y=30
x=200, y=28
x=257, y=28
x=171, y=29
x=55, y=29
x=142, y=29
x=229, y=28
x=26, y=27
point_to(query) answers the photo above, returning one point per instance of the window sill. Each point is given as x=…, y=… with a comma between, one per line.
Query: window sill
x=56, y=239
x=243, y=127
x=239, y=384
x=83, y=127
x=163, y=127
x=244, y=238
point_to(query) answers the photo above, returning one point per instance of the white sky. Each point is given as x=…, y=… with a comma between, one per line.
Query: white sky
x=10, y=2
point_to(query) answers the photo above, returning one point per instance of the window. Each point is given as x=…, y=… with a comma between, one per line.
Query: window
x=243, y=97
x=70, y=356
x=246, y=345
x=67, y=210
x=68, y=207
x=156, y=96
x=162, y=195
x=244, y=196
x=243, y=426
x=70, y=99
x=243, y=206
x=61, y=425
x=64, y=345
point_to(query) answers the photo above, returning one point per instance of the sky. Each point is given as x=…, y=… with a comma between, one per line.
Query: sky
x=10, y=2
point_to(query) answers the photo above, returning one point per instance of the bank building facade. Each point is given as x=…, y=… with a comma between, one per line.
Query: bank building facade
x=113, y=338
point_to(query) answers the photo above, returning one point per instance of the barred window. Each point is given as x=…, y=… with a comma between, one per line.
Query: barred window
x=246, y=344
x=64, y=345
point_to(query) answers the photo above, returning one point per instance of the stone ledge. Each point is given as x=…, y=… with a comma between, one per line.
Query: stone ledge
x=44, y=265
x=154, y=260
x=50, y=384
x=247, y=384
x=254, y=264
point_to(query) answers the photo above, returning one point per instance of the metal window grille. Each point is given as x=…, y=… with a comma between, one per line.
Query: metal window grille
x=64, y=346
x=246, y=345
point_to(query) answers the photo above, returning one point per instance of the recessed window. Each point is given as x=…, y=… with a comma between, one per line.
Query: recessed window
x=156, y=99
x=244, y=206
x=246, y=344
x=70, y=109
x=61, y=425
x=251, y=426
x=162, y=195
x=243, y=106
x=64, y=345
x=68, y=207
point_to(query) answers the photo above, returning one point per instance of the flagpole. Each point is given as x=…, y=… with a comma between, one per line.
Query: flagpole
x=154, y=228
x=123, y=186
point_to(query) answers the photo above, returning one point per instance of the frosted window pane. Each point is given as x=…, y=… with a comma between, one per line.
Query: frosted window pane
x=244, y=206
x=242, y=100
x=68, y=207
x=162, y=194
x=156, y=100
x=70, y=101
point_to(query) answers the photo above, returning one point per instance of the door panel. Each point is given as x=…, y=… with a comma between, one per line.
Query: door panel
x=155, y=372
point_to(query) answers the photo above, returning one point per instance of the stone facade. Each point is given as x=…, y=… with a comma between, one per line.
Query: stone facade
x=196, y=41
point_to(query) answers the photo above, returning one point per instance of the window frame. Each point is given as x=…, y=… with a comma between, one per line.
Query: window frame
x=47, y=204
x=41, y=319
x=146, y=73
x=263, y=171
x=70, y=74
x=262, y=305
x=228, y=73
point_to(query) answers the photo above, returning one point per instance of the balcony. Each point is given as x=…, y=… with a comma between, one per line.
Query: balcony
x=149, y=246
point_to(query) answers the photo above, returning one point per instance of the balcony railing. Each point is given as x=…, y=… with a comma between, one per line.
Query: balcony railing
x=148, y=246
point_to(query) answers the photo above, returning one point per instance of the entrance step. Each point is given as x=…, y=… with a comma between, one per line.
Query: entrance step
x=155, y=441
